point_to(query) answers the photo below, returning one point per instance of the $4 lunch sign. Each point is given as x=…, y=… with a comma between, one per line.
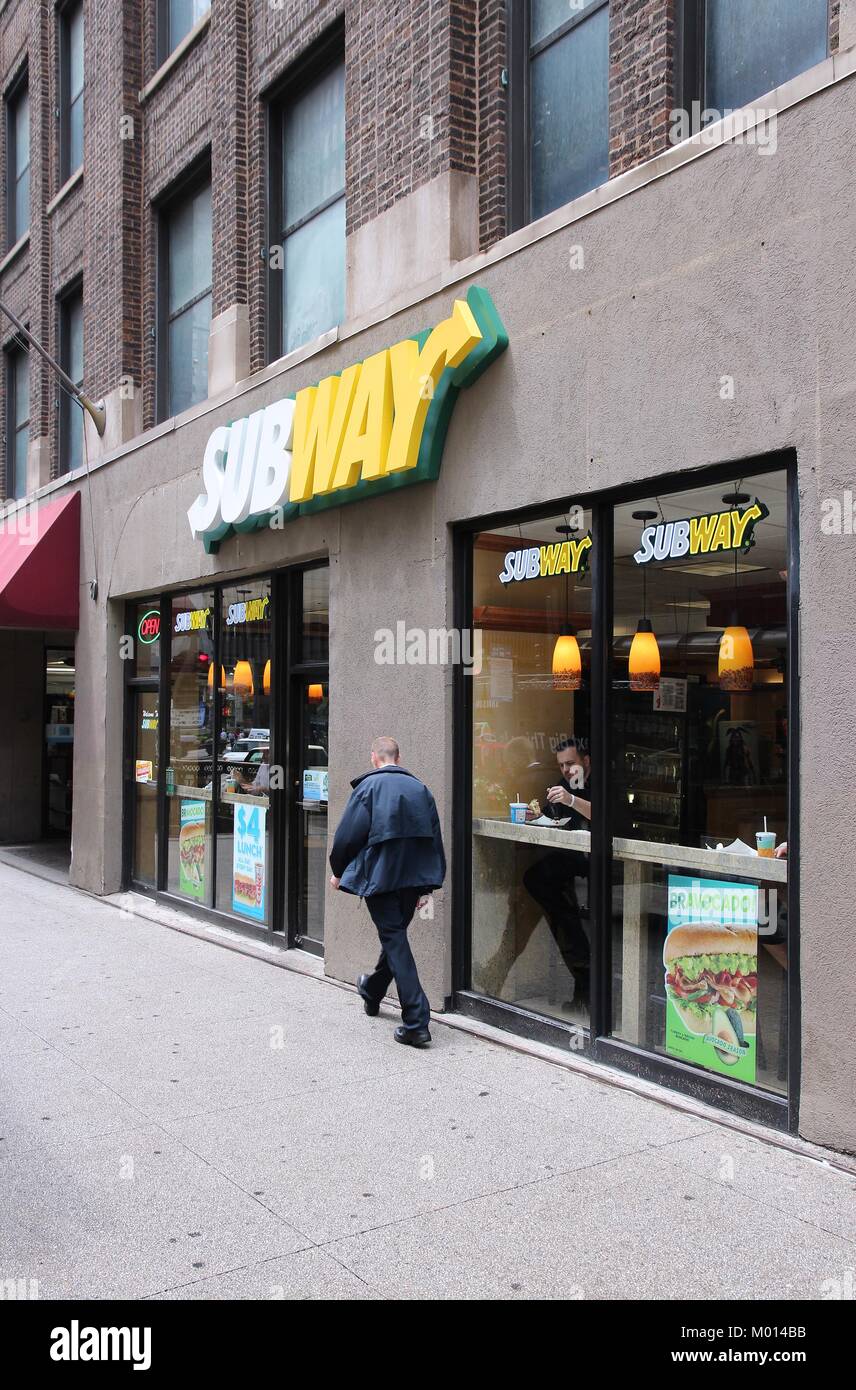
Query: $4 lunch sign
x=248, y=864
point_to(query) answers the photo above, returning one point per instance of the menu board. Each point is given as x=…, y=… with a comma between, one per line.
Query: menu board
x=249, y=862
x=710, y=957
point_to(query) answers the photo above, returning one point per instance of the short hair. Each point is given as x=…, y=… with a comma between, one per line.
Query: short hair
x=386, y=747
x=579, y=745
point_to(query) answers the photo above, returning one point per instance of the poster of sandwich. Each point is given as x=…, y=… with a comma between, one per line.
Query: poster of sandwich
x=710, y=957
x=248, y=862
x=191, y=850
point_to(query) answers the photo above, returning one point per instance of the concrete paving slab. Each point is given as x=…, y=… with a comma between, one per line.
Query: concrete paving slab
x=47, y=1100
x=799, y=1187
x=627, y=1228
x=128, y=1214
x=397, y=1145
x=307, y=1274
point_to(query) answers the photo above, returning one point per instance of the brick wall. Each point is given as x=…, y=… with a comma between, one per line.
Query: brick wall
x=641, y=79
x=492, y=126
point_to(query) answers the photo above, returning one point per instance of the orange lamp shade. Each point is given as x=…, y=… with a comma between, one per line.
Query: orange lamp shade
x=266, y=679
x=211, y=670
x=242, y=681
x=567, y=663
x=644, y=667
x=736, y=660
x=315, y=694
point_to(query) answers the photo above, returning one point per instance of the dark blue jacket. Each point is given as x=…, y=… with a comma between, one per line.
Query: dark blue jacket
x=389, y=836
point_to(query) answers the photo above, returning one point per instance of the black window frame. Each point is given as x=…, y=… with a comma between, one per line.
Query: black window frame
x=596, y=1042
x=164, y=44
x=17, y=89
x=521, y=52
x=690, y=72
x=65, y=15
x=15, y=352
x=326, y=54
x=67, y=404
x=189, y=182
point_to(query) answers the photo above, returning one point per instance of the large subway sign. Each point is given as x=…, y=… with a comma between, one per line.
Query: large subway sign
x=378, y=425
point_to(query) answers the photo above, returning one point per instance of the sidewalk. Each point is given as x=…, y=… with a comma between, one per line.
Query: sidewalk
x=182, y=1121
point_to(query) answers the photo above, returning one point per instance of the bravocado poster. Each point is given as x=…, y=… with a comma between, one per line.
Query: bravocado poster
x=710, y=957
x=191, y=850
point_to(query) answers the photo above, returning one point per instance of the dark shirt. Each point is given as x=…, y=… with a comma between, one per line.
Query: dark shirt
x=556, y=811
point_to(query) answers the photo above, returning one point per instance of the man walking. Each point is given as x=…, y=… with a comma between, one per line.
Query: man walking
x=388, y=849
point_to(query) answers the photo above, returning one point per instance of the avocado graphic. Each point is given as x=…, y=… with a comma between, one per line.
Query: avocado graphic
x=724, y=1028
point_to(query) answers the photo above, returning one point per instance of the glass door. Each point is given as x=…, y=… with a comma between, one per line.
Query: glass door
x=311, y=810
x=145, y=714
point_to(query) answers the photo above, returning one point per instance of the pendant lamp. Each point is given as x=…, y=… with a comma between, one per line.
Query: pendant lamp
x=266, y=678
x=567, y=660
x=242, y=681
x=644, y=664
x=211, y=670
x=315, y=694
x=736, y=657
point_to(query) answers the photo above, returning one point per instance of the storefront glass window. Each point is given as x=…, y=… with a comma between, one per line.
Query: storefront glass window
x=531, y=765
x=699, y=733
x=312, y=818
x=146, y=638
x=189, y=775
x=315, y=641
x=244, y=761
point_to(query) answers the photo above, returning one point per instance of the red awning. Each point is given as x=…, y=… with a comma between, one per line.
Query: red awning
x=40, y=565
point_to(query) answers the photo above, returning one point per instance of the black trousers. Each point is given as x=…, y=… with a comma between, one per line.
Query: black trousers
x=551, y=883
x=392, y=914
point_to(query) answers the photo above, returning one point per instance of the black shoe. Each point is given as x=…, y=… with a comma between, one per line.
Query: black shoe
x=582, y=991
x=412, y=1037
x=371, y=1007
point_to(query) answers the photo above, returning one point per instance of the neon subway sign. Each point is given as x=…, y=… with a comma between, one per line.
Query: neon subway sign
x=541, y=561
x=254, y=610
x=376, y=426
x=710, y=534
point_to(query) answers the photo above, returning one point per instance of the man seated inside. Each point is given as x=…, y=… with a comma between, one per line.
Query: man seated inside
x=551, y=881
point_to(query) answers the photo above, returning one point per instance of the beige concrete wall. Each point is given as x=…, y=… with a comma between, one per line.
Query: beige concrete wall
x=736, y=265
x=412, y=242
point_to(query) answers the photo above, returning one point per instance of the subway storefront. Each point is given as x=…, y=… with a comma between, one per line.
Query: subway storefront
x=613, y=735
x=627, y=848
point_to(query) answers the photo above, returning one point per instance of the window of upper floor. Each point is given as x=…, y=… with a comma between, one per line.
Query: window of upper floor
x=734, y=52
x=559, y=103
x=306, y=257
x=184, y=296
x=175, y=19
x=70, y=338
x=17, y=161
x=17, y=420
x=70, y=107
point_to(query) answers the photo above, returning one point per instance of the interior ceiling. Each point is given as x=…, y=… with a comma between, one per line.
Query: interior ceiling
x=679, y=593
